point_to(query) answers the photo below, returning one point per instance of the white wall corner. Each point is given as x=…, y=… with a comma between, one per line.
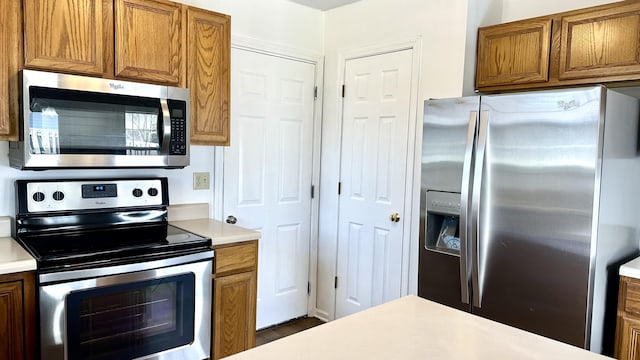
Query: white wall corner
x=479, y=13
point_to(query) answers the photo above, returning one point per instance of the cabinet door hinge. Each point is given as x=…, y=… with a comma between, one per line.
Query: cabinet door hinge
x=342, y=90
x=339, y=188
x=335, y=282
x=308, y=288
x=313, y=191
x=315, y=93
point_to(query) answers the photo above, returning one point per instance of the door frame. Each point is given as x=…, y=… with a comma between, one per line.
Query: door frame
x=415, y=123
x=260, y=46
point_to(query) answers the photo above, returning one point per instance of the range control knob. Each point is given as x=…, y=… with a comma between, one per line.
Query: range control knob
x=137, y=192
x=58, y=196
x=38, y=196
x=152, y=192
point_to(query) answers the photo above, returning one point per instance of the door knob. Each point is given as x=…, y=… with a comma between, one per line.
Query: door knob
x=231, y=219
x=395, y=217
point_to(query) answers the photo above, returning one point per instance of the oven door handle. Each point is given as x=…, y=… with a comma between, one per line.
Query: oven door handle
x=95, y=272
x=165, y=126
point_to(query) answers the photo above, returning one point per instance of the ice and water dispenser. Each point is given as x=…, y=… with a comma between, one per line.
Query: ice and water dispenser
x=443, y=222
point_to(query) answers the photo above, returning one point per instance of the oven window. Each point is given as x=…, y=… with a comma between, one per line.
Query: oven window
x=76, y=122
x=131, y=320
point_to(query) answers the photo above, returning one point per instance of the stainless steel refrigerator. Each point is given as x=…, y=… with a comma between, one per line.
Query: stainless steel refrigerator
x=529, y=203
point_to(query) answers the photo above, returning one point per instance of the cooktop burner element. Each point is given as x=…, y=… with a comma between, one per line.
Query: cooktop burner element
x=72, y=224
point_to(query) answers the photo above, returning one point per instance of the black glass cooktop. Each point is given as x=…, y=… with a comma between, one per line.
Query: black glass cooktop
x=110, y=246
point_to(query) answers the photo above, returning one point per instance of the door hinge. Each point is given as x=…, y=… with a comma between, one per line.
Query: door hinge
x=335, y=282
x=339, y=188
x=313, y=191
x=342, y=90
x=308, y=288
x=315, y=93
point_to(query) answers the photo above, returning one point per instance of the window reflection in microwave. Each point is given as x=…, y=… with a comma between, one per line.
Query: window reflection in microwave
x=142, y=133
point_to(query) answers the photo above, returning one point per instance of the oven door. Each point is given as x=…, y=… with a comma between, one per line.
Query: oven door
x=162, y=313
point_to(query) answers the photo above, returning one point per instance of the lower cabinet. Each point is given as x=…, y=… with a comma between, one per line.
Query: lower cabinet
x=234, y=298
x=629, y=338
x=17, y=316
x=628, y=322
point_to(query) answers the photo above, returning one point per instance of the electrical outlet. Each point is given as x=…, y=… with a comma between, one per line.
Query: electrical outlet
x=200, y=180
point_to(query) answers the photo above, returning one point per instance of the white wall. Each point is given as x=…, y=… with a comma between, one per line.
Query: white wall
x=441, y=24
x=277, y=21
x=479, y=13
x=180, y=180
x=513, y=10
x=274, y=21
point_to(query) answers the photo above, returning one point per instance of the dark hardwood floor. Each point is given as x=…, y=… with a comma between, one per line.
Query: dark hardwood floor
x=285, y=329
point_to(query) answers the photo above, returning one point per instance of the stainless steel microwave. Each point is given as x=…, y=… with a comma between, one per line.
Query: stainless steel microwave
x=70, y=121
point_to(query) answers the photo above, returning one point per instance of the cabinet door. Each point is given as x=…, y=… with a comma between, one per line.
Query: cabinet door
x=628, y=342
x=234, y=312
x=513, y=53
x=68, y=35
x=149, y=41
x=11, y=324
x=601, y=43
x=10, y=58
x=209, y=76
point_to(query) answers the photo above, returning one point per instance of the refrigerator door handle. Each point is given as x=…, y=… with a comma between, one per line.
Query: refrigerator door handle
x=477, y=271
x=465, y=192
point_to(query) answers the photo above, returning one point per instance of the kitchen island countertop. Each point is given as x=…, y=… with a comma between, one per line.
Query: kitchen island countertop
x=414, y=328
x=13, y=258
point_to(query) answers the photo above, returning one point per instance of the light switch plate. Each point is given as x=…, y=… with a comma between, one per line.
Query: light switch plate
x=201, y=180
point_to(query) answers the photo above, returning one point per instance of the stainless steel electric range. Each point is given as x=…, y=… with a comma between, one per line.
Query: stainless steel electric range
x=115, y=280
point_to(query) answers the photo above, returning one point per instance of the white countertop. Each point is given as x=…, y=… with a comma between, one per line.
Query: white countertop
x=219, y=232
x=414, y=328
x=13, y=258
x=195, y=218
x=5, y=226
x=631, y=269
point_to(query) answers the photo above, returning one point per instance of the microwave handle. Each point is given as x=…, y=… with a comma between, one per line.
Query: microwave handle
x=166, y=126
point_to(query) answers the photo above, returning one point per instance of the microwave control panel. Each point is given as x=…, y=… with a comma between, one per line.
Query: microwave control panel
x=178, y=143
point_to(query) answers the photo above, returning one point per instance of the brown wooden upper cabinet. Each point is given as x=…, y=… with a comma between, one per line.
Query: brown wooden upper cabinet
x=209, y=76
x=514, y=53
x=154, y=41
x=149, y=38
x=10, y=63
x=78, y=36
x=601, y=43
x=586, y=46
x=68, y=35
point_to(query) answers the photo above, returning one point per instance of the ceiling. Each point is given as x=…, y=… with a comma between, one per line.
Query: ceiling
x=324, y=4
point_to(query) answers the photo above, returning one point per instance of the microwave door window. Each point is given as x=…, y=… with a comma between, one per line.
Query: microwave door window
x=87, y=123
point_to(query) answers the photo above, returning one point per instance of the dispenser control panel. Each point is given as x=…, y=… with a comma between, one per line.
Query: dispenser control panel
x=443, y=202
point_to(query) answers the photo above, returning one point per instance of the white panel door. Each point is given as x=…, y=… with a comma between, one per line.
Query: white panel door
x=372, y=176
x=268, y=172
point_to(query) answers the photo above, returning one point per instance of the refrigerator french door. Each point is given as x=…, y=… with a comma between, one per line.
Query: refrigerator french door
x=510, y=203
